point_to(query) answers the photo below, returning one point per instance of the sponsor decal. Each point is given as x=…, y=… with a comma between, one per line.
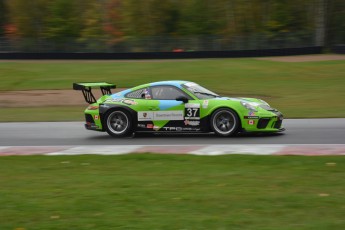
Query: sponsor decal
x=251, y=113
x=160, y=115
x=129, y=102
x=190, y=129
x=191, y=122
x=149, y=126
x=96, y=117
x=143, y=126
x=205, y=104
x=156, y=128
x=145, y=116
x=251, y=117
x=180, y=129
x=122, y=100
x=169, y=128
x=168, y=115
x=192, y=118
x=92, y=125
x=113, y=100
x=191, y=105
x=105, y=106
x=251, y=122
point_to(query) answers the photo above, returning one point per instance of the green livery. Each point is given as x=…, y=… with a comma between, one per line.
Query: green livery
x=175, y=106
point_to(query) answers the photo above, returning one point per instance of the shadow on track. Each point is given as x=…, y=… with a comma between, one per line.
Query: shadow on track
x=143, y=135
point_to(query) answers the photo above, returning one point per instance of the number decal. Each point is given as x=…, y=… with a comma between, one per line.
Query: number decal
x=192, y=111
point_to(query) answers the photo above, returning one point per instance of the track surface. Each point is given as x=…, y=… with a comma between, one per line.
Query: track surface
x=298, y=131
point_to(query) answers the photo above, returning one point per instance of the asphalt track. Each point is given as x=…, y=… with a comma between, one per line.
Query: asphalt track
x=298, y=131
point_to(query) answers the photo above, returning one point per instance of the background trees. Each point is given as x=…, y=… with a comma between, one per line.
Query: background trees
x=155, y=25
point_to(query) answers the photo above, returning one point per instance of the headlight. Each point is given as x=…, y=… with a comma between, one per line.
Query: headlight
x=248, y=106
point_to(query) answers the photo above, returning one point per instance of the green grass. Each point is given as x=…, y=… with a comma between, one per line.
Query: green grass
x=56, y=113
x=172, y=192
x=306, y=89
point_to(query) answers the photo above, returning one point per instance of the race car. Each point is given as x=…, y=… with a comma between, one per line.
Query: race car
x=174, y=106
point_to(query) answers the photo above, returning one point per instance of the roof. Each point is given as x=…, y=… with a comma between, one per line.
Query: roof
x=171, y=82
x=176, y=83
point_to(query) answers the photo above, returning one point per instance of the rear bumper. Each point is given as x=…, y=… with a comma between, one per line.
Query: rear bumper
x=91, y=124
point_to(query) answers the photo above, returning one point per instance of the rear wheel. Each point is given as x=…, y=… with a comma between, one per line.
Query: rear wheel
x=224, y=122
x=118, y=123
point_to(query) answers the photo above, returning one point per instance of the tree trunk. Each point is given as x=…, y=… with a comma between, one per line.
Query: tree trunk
x=320, y=22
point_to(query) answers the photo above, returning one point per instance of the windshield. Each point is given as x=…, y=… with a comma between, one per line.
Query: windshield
x=199, y=91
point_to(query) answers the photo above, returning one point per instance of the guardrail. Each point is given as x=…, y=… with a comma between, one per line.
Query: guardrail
x=166, y=55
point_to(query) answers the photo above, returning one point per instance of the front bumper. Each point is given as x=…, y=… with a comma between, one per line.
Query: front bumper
x=270, y=122
x=267, y=122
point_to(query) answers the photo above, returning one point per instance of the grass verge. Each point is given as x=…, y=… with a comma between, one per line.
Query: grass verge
x=305, y=89
x=51, y=113
x=172, y=192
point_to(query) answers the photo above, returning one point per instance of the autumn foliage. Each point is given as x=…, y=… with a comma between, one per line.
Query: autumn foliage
x=163, y=25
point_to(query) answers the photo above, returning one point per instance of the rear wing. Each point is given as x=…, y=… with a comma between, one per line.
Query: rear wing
x=86, y=88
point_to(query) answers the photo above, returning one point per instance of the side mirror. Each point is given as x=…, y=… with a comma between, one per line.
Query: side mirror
x=182, y=98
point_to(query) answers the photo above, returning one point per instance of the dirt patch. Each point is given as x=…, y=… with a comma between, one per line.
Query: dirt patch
x=39, y=98
x=306, y=58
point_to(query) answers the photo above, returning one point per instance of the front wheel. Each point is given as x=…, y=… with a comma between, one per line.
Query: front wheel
x=224, y=122
x=118, y=124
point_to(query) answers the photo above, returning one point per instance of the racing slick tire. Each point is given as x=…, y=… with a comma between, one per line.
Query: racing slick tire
x=225, y=122
x=118, y=123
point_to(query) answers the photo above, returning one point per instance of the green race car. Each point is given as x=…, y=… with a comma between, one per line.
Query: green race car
x=175, y=106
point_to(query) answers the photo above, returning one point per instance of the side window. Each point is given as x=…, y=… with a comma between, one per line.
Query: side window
x=140, y=93
x=166, y=93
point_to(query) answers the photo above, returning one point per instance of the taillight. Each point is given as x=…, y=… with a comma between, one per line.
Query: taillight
x=93, y=107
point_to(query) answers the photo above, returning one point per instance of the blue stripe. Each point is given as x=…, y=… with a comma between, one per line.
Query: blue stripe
x=167, y=104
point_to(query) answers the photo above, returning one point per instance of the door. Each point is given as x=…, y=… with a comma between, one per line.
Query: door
x=164, y=113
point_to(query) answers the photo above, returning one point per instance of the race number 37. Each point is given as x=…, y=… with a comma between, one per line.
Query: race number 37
x=192, y=111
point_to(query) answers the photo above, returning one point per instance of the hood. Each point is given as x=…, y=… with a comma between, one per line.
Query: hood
x=254, y=101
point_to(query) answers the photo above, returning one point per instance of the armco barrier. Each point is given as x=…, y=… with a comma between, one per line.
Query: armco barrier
x=165, y=55
x=339, y=49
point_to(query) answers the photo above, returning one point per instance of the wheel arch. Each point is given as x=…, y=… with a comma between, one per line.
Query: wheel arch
x=111, y=108
x=224, y=107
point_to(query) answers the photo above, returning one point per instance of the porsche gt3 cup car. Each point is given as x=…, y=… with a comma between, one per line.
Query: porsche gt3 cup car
x=175, y=106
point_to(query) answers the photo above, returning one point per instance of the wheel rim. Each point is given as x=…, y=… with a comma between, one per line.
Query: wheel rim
x=117, y=122
x=224, y=122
